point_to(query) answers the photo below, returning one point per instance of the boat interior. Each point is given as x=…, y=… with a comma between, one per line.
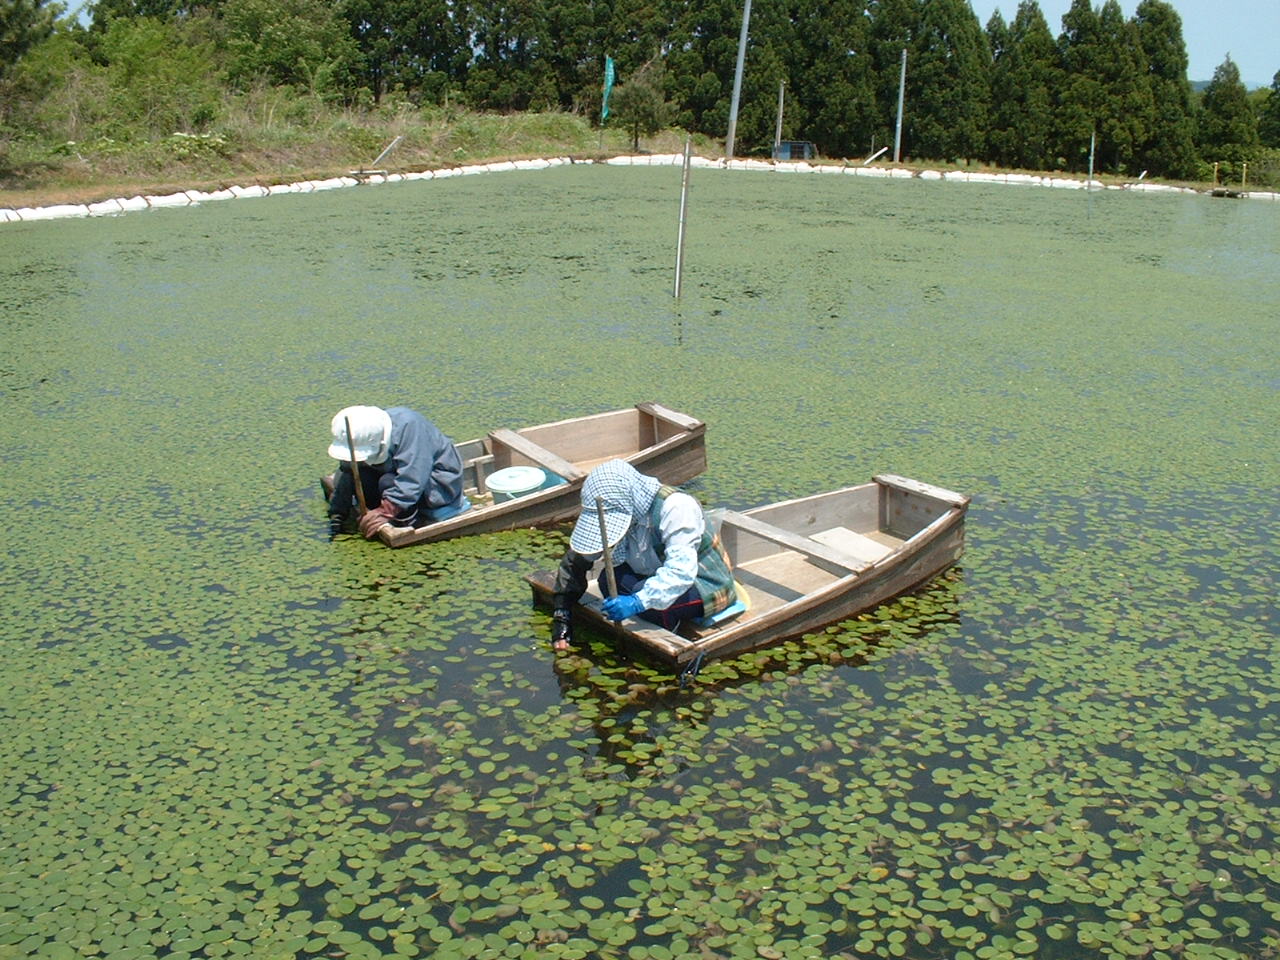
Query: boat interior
x=569, y=448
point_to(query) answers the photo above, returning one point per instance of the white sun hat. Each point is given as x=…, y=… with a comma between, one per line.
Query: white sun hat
x=624, y=491
x=370, y=432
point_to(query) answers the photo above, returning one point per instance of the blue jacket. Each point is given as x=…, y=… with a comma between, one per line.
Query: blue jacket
x=423, y=463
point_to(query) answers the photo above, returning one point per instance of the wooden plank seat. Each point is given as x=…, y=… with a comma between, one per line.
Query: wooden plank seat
x=832, y=559
x=526, y=448
x=865, y=548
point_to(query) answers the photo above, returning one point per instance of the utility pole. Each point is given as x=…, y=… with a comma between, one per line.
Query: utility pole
x=897, y=133
x=737, y=82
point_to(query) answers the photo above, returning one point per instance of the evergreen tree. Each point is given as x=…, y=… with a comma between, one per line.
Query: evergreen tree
x=418, y=46
x=23, y=24
x=1228, y=128
x=894, y=24
x=511, y=69
x=1169, y=148
x=949, y=89
x=296, y=42
x=640, y=105
x=633, y=33
x=1080, y=98
x=997, y=35
x=1269, y=117
x=703, y=52
x=104, y=11
x=831, y=86
x=572, y=33
x=1106, y=90
x=1024, y=77
x=1124, y=122
x=773, y=52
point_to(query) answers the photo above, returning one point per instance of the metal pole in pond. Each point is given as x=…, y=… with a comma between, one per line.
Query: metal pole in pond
x=684, y=204
x=902, y=86
x=777, y=132
x=1093, y=141
x=737, y=82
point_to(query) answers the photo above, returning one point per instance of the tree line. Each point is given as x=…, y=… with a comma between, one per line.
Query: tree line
x=1011, y=92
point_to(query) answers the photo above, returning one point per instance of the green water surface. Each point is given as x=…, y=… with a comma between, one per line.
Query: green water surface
x=223, y=735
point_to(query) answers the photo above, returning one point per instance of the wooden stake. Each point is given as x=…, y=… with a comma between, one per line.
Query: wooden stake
x=608, y=557
x=355, y=469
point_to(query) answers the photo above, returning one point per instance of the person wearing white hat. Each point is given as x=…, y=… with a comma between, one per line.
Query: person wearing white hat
x=410, y=472
x=669, y=566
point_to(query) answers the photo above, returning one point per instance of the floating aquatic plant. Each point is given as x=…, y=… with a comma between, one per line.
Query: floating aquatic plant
x=225, y=735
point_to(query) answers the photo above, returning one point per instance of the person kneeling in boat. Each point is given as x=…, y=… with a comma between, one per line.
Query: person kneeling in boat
x=668, y=564
x=409, y=471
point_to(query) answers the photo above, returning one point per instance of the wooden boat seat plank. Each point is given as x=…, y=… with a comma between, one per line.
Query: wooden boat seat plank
x=866, y=547
x=836, y=560
x=538, y=454
x=786, y=575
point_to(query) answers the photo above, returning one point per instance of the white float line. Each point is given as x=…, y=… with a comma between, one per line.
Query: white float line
x=190, y=197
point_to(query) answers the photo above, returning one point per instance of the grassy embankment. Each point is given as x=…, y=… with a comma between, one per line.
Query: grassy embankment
x=255, y=146
x=258, y=148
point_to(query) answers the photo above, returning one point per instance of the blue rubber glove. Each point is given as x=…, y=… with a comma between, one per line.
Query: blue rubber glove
x=622, y=606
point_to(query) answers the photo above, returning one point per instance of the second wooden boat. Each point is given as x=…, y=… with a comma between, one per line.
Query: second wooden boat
x=805, y=564
x=654, y=439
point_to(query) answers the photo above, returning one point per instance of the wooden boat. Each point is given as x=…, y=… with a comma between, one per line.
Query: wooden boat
x=805, y=564
x=655, y=440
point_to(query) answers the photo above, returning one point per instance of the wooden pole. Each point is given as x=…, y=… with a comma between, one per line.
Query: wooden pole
x=355, y=469
x=608, y=556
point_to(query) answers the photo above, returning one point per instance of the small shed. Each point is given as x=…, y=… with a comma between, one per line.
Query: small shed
x=794, y=150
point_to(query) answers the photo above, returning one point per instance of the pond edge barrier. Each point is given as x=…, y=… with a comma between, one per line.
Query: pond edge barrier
x=185, y=198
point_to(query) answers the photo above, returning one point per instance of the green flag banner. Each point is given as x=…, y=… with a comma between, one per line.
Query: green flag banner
x=608, y=86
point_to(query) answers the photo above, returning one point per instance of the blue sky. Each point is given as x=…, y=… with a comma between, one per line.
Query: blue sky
x=1249, y=30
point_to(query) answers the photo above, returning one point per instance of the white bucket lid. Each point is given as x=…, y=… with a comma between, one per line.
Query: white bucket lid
x=516, y=479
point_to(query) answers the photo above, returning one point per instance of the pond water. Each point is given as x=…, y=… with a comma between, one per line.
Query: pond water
x=225, y=735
